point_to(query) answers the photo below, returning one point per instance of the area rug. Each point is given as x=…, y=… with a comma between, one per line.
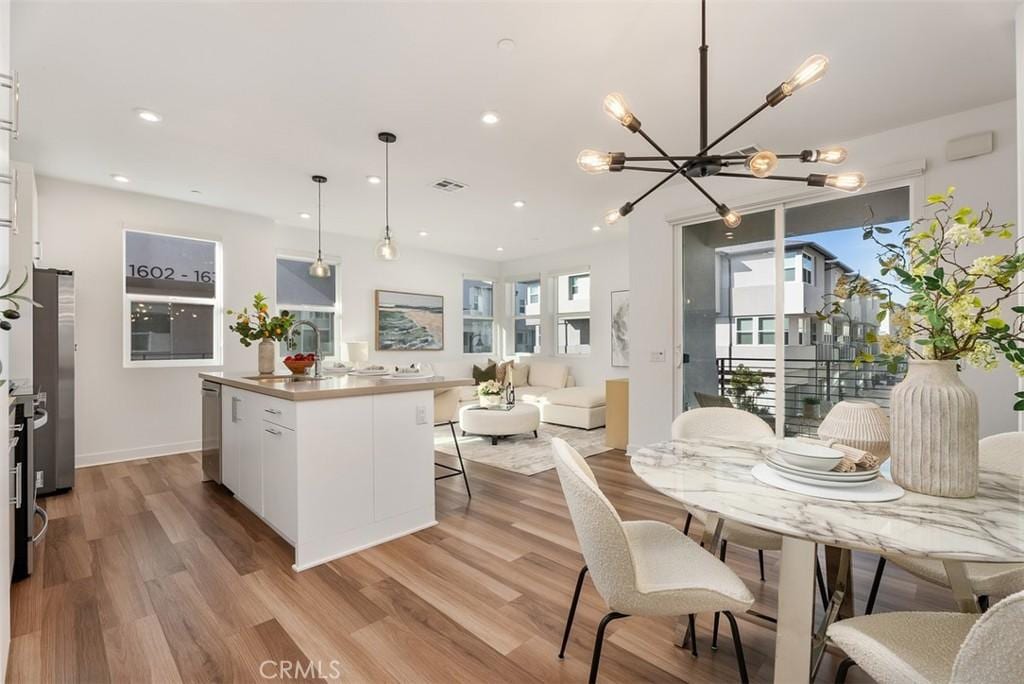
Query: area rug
x=523, y=454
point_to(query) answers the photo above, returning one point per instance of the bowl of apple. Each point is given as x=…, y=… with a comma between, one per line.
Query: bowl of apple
x=299, y=363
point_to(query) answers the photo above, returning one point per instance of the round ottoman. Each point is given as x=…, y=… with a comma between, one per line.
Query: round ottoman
x=495, y=423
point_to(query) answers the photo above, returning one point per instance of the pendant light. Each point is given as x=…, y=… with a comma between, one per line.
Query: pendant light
x=386, y=248
x=319, y=268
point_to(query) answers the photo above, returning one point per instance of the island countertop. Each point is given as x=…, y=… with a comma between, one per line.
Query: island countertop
x=330, y=387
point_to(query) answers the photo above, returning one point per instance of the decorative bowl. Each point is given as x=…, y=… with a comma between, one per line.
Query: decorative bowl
x=298, y=366
x=806, y=455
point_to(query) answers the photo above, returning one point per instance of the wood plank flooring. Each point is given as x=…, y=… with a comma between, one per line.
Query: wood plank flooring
x=147, y=574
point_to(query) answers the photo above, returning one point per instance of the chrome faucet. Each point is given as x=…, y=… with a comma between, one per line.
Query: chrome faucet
x=316, y=341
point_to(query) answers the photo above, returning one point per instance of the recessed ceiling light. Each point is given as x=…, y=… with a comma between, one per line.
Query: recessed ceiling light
x=596, y=229
x=304, y=215
x=373, y=180
x=506, y=44
x=423, y=233
x=490, y=118
x=519, y=204
x=500, y=249
x=148, y=115
x=120, y=179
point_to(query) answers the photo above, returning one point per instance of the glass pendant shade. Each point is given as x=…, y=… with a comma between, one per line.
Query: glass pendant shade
x=320, y=269
x=387, y=249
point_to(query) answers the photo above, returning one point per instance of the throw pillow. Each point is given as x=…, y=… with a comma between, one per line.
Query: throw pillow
x=501, y=375
x=519, y=375
x=484, y=374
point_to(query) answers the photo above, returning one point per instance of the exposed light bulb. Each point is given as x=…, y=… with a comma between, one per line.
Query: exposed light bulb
x=594, y=162
x=811, y=71
x=847, y=182
x=763, y=163
x=729, y=217
x=612, y=216
x=831, y=155
x=615, y=106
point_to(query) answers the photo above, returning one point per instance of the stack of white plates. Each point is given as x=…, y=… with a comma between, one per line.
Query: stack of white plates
x=812, y=464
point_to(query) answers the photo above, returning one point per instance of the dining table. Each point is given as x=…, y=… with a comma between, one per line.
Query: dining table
x=714, y=476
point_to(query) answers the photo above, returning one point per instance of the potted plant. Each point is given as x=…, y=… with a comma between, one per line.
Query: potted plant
x=811, y=407
x=746, y=386
x=490, y=393
x=260, y=326
x=953, y=312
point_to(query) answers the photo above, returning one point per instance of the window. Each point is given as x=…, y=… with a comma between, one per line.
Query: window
x=526, y=308
x=311, y=299
x=808, y=262
x=766, y=330
x=744, y=331
x=790, y=262
x=172, y=300
x=573, y=314
x=814, y=331
x=801, y=325
x=477, y=316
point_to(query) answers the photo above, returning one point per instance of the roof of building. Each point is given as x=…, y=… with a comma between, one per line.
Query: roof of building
x=769, y=245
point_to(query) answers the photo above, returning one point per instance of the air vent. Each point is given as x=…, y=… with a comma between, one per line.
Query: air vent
x=745, y=151
x=449, y=185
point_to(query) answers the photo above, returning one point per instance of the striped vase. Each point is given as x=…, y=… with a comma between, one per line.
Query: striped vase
x=934, y=419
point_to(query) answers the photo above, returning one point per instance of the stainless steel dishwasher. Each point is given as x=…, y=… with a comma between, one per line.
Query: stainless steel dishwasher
x=211, y=431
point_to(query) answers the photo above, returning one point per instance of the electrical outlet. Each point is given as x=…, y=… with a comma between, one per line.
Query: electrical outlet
x=658, y=356
x=421, y=415
x=39, y=479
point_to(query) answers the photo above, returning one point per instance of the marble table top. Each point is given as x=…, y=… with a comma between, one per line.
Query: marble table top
x=714, y=476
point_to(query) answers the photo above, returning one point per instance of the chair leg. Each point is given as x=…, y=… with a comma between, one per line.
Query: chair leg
x=760, y=562
x=843, y=668
x=691, y=634
x=599, y=642
x=572, y=610
x=741, y=662
x=686, y=525
x=875, y=584
x=821, y=582
x=462, y=465
x=983, y=603
x=714, y=629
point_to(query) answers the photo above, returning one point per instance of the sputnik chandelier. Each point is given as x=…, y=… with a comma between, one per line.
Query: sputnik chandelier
x=706, y=163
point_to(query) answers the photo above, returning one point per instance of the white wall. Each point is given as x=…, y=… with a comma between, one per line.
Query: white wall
x=988, y=179
x=5, y=165
x=128, y=413
x=609, y=271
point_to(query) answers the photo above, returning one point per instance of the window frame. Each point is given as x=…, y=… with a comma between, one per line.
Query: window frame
x=516, y=316
x=570, y=277
x=761, y=332
x=217, y=302
x=807, y=273
x=309, y=258
x=492, y=318
x=752, y=332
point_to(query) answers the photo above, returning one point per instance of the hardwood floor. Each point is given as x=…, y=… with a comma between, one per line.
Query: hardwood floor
x=146, y=574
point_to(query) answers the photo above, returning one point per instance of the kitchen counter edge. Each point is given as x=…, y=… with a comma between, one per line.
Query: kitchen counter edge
x=333, y=387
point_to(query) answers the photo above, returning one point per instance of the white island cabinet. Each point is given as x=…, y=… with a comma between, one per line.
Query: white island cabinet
x=333, y=466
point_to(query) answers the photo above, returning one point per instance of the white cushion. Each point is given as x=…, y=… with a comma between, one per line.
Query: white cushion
x=533, y=395
x=743, y=535
x=582, y=397
x=904, y=647
x=521, y=418
x=987, y=579
x=547, y=374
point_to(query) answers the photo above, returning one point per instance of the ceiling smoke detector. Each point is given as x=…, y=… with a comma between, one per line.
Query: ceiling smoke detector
x=449, y=185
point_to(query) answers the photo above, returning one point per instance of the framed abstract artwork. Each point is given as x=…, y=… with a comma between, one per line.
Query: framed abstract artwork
x=406, y=321
x=620, y=328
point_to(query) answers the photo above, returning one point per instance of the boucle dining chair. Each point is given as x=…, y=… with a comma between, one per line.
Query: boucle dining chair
x=717, y=422
x=641, y=567
x=928, y=648
x=446, y=410
x=1005, y=453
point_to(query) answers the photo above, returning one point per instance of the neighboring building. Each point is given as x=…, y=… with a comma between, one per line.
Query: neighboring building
x=526, y=312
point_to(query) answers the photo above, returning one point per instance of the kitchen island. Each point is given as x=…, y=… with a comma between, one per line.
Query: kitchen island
x=334, y=465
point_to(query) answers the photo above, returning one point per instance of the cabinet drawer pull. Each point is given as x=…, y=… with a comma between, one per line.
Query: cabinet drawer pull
x=274, y=412
x=234, y=409
x=276, y=433
x=16, y=499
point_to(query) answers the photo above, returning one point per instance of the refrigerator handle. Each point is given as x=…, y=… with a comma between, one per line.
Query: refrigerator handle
x=16, y=499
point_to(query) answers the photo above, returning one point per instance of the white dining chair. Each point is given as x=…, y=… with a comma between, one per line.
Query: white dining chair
x=446, y=411
x=1005, y=453
x=641, y=567
x=929, y=648
x=735, y=424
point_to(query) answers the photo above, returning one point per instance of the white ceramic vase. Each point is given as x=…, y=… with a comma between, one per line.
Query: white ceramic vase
x=488, y=400
x=859, y=424
x=935, y=431
x=265, y=349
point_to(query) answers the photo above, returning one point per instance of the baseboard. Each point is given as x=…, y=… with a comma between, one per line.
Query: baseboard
x=103, y=457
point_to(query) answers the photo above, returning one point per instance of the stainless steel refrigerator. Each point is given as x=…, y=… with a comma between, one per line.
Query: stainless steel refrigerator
x=53, y=368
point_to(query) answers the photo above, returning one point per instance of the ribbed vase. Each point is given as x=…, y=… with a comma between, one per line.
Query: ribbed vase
x=859, y=424
x=934, y=418
x=265, y=352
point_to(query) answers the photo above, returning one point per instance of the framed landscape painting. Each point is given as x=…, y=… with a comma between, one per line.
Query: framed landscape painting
x=406, y=321
x=620, y=328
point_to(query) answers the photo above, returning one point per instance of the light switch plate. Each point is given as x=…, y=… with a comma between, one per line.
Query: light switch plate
x=658, y=357
x=421, y=415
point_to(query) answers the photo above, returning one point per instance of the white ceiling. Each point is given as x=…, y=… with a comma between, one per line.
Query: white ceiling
x=257, y=97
